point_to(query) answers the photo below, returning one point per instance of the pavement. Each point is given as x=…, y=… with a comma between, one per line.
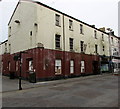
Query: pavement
x=88, y=91
x=13, y=84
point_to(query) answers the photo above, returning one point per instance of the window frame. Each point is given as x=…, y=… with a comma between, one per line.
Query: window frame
x=57, y=20
x=72, y=66
x=57, y=41
x=82, y=66
x=81, y=29
x=82, y=46
x=96, y=48
x=71, y=44
x=95, y=34
x=102, y=37
x=58, y=67
x=70, y=25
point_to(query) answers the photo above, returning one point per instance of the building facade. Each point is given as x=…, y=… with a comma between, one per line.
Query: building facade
x=53, y=44
x=115, y=52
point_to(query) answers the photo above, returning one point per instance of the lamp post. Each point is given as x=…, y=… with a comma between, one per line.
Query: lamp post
x=18, y=57
x=20, y=86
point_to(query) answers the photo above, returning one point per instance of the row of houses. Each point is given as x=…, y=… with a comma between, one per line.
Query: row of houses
x=53, y=44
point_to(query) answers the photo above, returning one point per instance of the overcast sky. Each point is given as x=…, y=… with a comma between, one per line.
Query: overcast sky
x=101, y=13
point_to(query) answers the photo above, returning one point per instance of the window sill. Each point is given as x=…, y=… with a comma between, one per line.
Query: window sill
x=57, y=25
x=82, y=52
x=70, y=29
x=72, y=50
x=82, y=33
x=58, y=48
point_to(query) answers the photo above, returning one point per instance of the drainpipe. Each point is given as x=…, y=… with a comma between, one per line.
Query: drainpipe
x=64, y=43
x=110, y=67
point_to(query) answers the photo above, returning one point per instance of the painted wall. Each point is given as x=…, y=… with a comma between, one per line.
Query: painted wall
x=20, y=37
x=47, y=30
x=40, y=22
x=44, y=63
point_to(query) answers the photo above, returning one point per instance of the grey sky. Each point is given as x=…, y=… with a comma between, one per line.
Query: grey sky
x=102, y=13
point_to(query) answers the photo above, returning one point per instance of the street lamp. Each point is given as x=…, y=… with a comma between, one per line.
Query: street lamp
x=18, y=57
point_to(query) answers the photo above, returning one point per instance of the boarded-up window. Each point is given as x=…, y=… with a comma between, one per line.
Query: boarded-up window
x=58, y=65
x=82, y=66
x=71, y=66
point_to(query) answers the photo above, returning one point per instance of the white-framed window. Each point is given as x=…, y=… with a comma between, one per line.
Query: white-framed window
x=82, y=46
x=71, y=43
x=57, y=19
x=82, y=66
x=58, y=66
x=70, y=25
x=71, y=66
x=9, y=65
x=16, y=66
x=30, y=65
x=57, y=41
x=96, y=48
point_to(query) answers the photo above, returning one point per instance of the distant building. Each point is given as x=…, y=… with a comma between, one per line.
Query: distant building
x=3, y=54
x=56, y=44
x=115, y=52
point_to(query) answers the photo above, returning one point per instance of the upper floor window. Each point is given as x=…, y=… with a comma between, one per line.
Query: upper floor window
x=70, y=24
x=81, y=29
x=57, y=41
x=82, y=46
x=103, y=48
x=9, y=48
x=9, y=31
x=112, y=40
x=102, y=37
x=96, y=48
x=5, y=47
x=57, y=18
x=71, y=43
x=95, y=34
x=30, y=33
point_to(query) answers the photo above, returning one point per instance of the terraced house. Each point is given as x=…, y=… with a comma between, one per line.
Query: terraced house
x=53, y=44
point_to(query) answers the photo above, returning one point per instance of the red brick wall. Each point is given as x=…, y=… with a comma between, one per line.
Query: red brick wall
x=44, y=62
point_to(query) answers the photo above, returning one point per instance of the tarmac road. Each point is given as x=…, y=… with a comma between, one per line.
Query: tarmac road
x=90, y=91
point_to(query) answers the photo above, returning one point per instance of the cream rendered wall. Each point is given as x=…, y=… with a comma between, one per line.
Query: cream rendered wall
x=114, y=44
x=29, y=13
x=87, y=37
x=47, y=28
x=20, y=38
x=2, y=48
